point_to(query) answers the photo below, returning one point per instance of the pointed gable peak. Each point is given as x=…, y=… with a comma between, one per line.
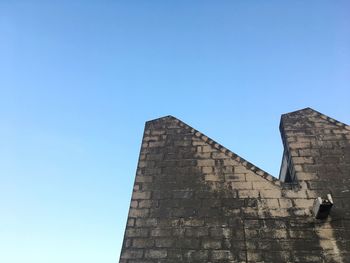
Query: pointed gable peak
x=304, y=110
x=308, y=112
x=161, y=118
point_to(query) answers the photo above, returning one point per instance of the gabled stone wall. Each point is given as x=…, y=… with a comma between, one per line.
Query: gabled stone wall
x=195, y=201
x=319, y=149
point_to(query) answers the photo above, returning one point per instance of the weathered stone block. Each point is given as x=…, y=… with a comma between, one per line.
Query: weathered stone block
x=206, y=162
x=138, y=212
x=132, y=253
x=165, y=242
x=211, y=244
x=222, y=255
x=156, y=253
x=248, y=193
x=141, y=195
x=137, y=232
x=142, y=242
x=161, y=232
x=195, y=255
x=188, y=243
x=146, y=222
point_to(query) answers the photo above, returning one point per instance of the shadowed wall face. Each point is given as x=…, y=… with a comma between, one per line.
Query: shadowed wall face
x=319, y=151
x=182, y=208
x=195, y=201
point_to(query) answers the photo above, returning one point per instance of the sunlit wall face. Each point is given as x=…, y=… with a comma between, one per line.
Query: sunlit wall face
x=79, y=79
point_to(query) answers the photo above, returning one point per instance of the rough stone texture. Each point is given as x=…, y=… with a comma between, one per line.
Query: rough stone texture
x=195, y=201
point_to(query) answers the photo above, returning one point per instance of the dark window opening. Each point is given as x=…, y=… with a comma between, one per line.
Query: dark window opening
x=287, y=173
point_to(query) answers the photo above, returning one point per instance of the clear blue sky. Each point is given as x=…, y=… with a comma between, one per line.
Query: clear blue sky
x=78, y=79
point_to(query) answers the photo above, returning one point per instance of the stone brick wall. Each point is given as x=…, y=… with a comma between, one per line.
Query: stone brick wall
x=195, y=201
x=319, y=150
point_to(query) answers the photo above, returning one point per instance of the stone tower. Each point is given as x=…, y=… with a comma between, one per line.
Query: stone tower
x=196, y=201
